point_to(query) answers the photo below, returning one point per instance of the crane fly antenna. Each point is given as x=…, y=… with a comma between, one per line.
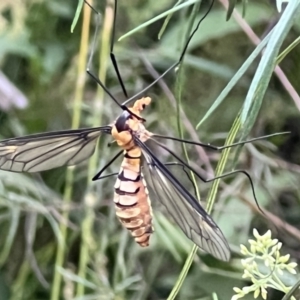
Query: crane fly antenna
x=176, y=63
x=219, y=148
x=214, y=178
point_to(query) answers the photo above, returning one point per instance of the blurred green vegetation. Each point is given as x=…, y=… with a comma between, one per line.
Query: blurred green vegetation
x=39, y=55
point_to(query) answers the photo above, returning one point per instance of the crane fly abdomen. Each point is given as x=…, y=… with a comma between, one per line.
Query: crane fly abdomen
x=133, y=206
x=132, y=202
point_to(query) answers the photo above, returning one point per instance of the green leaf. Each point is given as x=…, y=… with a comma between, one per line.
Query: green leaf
x=215, y=26
x=166, y=13
x=77, y=14
x=15, y=218
x=287, y=50
x=234, y=80
x=266, y=66
x=289, y=295
x=232, y=4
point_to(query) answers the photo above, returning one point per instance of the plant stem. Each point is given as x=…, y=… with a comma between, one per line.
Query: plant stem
x=179, y=83
x=86, y=238
x=61, y=247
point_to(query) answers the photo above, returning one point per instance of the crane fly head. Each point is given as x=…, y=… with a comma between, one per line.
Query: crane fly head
x=139, y=105
x=127, y=124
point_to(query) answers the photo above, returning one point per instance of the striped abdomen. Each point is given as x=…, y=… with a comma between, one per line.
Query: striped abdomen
x=132, y=202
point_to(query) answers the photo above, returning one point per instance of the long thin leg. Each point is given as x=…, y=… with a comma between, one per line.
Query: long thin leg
x=93, y=76
x=172, y=67
x=98, y=175
x=218, y=148
x=92, y=55
x=106, y=176
x=214, y=178
x=112, y=55
x=176, y=63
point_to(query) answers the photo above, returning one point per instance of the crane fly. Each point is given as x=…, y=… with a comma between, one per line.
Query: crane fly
x=40, y=152
x=140, y=166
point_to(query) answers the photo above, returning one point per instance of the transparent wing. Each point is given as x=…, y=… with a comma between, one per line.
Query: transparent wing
x=39, y=152
x=184, y=208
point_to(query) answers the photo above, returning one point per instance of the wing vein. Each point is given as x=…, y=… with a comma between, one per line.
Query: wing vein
x=183, y=207
x=49, y=150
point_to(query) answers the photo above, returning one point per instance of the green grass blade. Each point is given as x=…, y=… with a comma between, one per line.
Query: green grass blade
x=89, y=215
x=267, y=64
x=73, y=277
x=289, y=295
x=166, y=22
x=82, y=60
x=232, y=4
x=77, y=14
x=235, y=79
x=166, y=13
x=14, y=222
x=215, y=26
x=222, y=163
x=183, y=273
x=179, y=84
x=286, y=51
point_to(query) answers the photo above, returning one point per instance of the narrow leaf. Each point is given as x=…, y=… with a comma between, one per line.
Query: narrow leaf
x=77, y=14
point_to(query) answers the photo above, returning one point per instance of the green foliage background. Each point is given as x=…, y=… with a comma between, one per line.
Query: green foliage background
x=39, y=55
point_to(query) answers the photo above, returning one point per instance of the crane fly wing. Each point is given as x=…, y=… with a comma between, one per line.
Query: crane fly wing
x=183, y=207
x=44, y=151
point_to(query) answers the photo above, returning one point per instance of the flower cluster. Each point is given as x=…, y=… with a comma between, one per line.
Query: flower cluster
x=264, y=266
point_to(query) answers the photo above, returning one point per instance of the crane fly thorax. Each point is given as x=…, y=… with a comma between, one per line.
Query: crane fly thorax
x=128, y=125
